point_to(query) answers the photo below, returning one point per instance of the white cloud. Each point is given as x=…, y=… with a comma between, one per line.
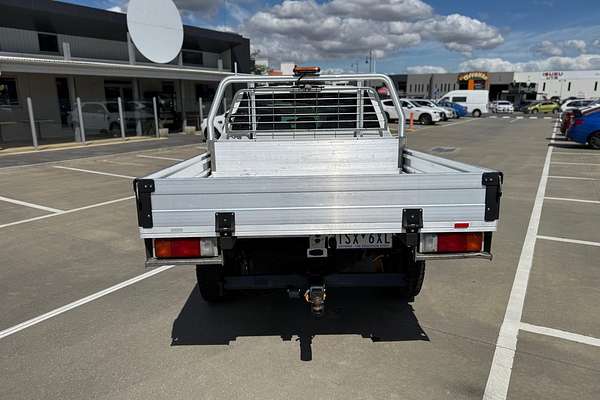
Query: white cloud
x=425, y=69
x=578, y=45
x=118, y=9
x=581, y=62
x=547, y=48
x=460, y=33
x=305, y=29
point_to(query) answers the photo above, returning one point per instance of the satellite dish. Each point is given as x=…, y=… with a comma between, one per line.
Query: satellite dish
x=155, y=28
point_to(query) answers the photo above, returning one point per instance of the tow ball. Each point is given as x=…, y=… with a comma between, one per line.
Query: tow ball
x=315, y=296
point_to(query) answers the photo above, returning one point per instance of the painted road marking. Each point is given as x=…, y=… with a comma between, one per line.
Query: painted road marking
x=24, y=221
x=574, y=163
x=498, y=381
x=31, y=205
x=94, y=172
x=565, y=240
x=575, y=200
x=454, y=123
x=573, y=177
x=576, y=153
x=505, y=117
x=80, y=302
x=573, y=337
x=160, y=158
x=520, y=117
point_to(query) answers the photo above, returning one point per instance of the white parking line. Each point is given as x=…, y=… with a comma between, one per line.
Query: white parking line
x=520, y=117
x=24, y=221
x=31, y=205
x=498, y=381
x=547, y=117
x=573, y=177
x=505, y=117
x=573, y=337
x=80, y=302
x=575, y=200
x=565, y=240
x=576, y=153
x=94, y=172
x=160, y=158
x=573, y=163
x=455, y=123
x=533, y=117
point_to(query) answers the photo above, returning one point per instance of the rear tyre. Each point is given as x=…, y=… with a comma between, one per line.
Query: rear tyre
x=210, y=282
x=534, y=111
x=594, y=140
x=415, y=274
x=476, y=113
x=444, y=117
x=425, y=119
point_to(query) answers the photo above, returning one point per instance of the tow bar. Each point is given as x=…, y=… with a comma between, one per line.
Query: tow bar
x=315, y=296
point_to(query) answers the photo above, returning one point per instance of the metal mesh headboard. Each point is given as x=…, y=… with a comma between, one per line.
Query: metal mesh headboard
x=304, y=111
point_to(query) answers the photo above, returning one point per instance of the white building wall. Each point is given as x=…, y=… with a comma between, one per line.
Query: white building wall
x=563, y=83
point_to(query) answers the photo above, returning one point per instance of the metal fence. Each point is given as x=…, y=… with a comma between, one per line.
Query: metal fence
x=35, y=122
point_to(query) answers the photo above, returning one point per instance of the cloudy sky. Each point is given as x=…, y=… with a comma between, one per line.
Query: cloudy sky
x=407, y=35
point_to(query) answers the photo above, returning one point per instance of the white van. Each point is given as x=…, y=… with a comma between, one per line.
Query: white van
x=476, y=101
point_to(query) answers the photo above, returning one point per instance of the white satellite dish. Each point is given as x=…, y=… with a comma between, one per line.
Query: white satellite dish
x=155, y=28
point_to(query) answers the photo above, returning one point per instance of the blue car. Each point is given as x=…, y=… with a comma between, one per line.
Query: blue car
x=461, y=111
x=585, y=128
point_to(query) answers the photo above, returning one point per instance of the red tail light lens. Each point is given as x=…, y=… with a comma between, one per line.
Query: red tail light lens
x=459, y=242
x=177, y=248
x=579, y=121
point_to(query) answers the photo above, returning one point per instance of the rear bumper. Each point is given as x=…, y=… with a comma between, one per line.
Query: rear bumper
x=156, y=262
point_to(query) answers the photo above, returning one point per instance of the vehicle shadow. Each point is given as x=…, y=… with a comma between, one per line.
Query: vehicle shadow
x=370, y=313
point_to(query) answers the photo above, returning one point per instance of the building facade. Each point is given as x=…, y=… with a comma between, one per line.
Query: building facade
x=562, y=84
x=53, y=53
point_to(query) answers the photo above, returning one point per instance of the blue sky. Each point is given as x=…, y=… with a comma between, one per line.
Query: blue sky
x=407, y=35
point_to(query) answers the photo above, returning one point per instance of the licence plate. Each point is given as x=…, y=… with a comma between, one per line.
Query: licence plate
x=364, y=241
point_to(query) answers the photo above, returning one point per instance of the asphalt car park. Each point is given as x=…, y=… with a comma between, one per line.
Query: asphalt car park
x=82, y=318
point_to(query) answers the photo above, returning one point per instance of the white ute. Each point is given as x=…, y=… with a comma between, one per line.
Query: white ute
x=307, y=189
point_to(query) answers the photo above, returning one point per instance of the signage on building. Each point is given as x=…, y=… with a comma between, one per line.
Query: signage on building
x=467, y=76
x=552, y=74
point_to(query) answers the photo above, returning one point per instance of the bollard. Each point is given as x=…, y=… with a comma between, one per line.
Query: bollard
x=32, y=123
x=156, y=116
x=121, y=118
x=411, y=125
x=81, y=125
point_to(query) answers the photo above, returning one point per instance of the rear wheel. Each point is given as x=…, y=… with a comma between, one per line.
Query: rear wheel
x=444, y=117
x=534, y=111
x=477, y=113
x=594, y=140
x=425, y=119
x=210, y=282
x=115, y=130
x=413, y=271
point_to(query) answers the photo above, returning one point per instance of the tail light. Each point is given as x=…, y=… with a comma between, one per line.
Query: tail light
x=465, y=242
x=579, y=121
x=185, y=248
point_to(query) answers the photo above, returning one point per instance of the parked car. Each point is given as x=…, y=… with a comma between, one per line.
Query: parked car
x=459, y=111
x=445, y=113
x=543, y=107
x=424, y=115
x=476, y=101
x=501, y=106
x=568, y=116
x=103, y=116
x=585, y=128
x=577, y=103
